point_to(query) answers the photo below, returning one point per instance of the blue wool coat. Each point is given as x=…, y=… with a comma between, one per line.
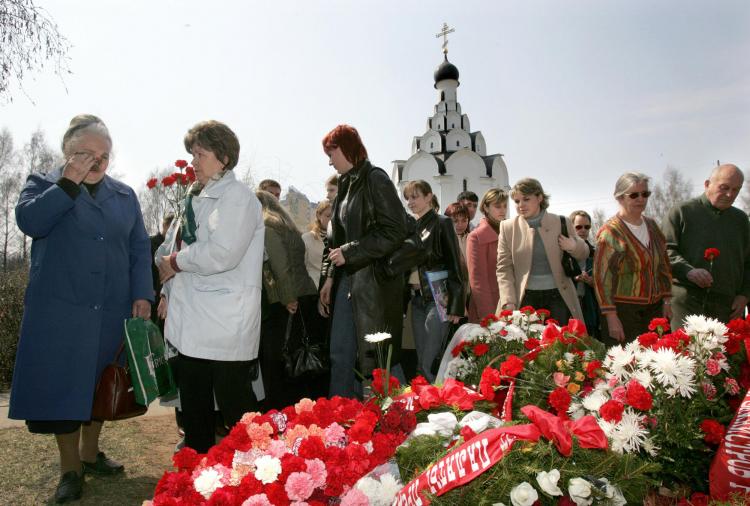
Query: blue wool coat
x=90, y=259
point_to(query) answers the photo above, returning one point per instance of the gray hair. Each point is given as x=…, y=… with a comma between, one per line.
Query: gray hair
x=627, y=180
x=81, y=125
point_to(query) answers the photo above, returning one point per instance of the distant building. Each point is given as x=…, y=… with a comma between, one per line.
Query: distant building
x=449, y=155
x=300, y=208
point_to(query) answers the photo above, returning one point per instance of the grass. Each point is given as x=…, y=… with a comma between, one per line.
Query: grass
x=29, y=464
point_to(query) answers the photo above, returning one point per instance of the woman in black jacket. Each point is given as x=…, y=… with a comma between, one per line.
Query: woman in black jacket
x=431, y=319
x=368, y=224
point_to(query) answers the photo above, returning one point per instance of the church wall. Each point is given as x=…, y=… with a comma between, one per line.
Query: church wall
x=453, y=120
x=456, y=140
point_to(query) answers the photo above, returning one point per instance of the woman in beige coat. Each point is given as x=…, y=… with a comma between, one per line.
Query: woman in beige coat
x=529, y=256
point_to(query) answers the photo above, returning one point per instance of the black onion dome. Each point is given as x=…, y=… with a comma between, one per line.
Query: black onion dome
x=446, y=70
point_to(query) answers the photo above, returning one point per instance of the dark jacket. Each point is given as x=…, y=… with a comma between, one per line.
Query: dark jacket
x=442, y=254
x=374, y=226
x=285, y=277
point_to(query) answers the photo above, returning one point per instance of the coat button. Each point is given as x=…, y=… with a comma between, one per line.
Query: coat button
x=97, y=307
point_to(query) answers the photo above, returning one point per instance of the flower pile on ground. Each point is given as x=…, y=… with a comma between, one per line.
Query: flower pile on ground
x=306, y=454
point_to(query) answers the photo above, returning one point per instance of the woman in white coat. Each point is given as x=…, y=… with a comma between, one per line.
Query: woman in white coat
x=213, y=316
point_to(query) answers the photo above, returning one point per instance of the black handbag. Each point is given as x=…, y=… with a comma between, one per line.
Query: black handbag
x=309, y=359
x=570, y=265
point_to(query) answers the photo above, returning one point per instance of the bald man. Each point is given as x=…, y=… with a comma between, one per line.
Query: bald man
x=720, y=290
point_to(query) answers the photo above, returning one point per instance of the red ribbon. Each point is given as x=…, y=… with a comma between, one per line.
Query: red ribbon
x=481, y=452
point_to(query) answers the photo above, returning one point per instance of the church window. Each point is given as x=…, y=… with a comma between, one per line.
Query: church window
x=465, y=185
x=458, y=143
x=432, y=145
x=453, y=125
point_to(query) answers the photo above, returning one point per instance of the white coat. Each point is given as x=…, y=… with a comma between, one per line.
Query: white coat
x=214, y=302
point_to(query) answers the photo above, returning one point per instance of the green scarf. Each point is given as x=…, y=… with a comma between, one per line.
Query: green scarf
x=187, y=220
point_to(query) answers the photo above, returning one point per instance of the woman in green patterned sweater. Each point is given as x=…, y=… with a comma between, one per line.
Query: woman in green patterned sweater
x=632, y=276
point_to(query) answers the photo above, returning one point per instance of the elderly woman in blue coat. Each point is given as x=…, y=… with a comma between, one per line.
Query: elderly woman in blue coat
x=90, y=270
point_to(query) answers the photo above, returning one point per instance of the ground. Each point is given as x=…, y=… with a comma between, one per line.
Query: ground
x=29, y=463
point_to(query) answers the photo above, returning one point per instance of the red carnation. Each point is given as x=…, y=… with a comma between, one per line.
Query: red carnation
x=190, y=172
x=512, y=366
x=560, y=400
x=527, y=309
x=487, y=320
x=181, y=164
x=151, y=183
x=611, y=411
x=543, y=313
x=456, y=351
x=168, y=180
x=506, y=312
x=711, y=254
x=480, y=349
x=378, y=377
x=637, y=396
x=713, y=430
x=186, y=459
x=659, y=325
x=648, y=339
x=593, y=366
x=531, y=343
x=490, y=379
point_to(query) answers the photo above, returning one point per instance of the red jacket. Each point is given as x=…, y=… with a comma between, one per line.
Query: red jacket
x=481, y=259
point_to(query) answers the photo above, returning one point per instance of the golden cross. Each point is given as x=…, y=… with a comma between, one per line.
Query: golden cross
x=444, y=34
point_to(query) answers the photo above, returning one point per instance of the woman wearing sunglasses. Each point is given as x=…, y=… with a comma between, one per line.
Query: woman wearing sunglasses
x=632, y=277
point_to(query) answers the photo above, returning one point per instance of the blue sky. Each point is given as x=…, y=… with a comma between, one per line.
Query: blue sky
x=571, y=92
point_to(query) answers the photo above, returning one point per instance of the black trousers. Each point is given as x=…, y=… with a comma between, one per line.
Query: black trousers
x=634, y=318
x=550, y=300
x=198, y=380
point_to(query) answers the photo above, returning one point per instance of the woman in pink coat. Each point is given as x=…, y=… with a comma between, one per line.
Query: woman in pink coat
x=481, y=255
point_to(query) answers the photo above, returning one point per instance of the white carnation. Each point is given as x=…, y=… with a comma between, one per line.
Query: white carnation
x=594, y=400
x=377, y=337
x=523, y=495
x=548, y=482
x=580, y=491
x=267, y=469
x=207, y=481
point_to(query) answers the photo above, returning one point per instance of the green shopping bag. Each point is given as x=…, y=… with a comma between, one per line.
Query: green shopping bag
x=147, y=357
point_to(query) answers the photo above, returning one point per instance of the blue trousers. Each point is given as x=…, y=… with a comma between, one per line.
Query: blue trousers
x=429, y=334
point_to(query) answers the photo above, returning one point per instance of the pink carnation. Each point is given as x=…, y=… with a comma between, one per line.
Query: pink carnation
x=299, y=486
x=618, y=394
x=709, y=390
x=334, y=434
x=560, y=379
x=712, y=367
x=355, y=497
x=732, y=386
x=317, y=471
x=304, y=405
x=257, y=500
x=612, y=381
x=277, y=448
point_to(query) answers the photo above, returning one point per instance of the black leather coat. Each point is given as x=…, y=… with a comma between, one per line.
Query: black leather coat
x=373, y=227
x=443, y=253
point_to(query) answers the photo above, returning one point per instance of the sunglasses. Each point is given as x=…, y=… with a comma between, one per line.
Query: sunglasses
x=579, y=227
x=635, y=195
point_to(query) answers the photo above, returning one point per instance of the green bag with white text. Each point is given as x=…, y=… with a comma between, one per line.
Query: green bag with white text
x=147, y=357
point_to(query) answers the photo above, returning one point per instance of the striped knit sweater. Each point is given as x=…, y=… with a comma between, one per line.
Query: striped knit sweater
x=625, y=270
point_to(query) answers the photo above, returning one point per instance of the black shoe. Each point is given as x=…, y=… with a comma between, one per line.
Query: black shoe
x=70, y=487
x=103, y=466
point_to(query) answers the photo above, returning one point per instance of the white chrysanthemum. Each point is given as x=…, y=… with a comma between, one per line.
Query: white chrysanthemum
x=523, y=494
x=477, y=333
x=698, y=325
x=536, y=328
x=594, y=400
x=630, y=431
x=644, y=377
x=607, y=427
x=618, y=362
x=377, y=337
x=267, y=469
x=634, y=348
x=496, y=326
x=514, y=333
x=663, y=363
x=569, y=357
x=207, y=481
x=650, y=447
x=576, y=411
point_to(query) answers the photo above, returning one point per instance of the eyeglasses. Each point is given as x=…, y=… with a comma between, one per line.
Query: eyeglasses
x=579, y=227
x=635, y=195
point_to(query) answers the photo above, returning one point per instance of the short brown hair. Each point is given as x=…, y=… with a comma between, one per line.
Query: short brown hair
x=530, y=186
x=347, y=138
x=216, y=137
x=456, y=210
x=573, y=215
x=268, y=183
x=418, y=185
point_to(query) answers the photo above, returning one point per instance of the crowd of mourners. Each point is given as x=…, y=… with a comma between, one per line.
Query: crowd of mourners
x=235, y=285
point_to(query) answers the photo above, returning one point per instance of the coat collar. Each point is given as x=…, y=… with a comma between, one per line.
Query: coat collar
x=215, y=189
x=484, y=232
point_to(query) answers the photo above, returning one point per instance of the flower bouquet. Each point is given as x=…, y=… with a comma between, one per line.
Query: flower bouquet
x=174, y=186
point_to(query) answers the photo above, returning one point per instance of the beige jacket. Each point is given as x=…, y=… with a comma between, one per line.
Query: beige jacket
x=514, y=250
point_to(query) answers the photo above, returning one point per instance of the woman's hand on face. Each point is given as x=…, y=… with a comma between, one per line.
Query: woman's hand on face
x=337, y=257
x=614, y=324
x=78, y=165
x=566, y=243
x=142, y=309
x=161, y=309
x=165, y=269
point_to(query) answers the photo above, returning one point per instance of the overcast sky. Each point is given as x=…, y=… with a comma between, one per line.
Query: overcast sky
x=571, y=92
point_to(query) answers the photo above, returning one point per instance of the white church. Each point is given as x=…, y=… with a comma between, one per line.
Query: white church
x=449, y=155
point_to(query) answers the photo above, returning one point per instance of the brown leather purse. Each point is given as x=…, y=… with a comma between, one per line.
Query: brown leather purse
x=114, y=398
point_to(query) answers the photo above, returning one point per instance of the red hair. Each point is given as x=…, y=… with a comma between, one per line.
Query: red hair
x=347, y=138
x=457, y=209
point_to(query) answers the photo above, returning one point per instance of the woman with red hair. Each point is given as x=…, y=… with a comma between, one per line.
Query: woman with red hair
x=368, y=224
